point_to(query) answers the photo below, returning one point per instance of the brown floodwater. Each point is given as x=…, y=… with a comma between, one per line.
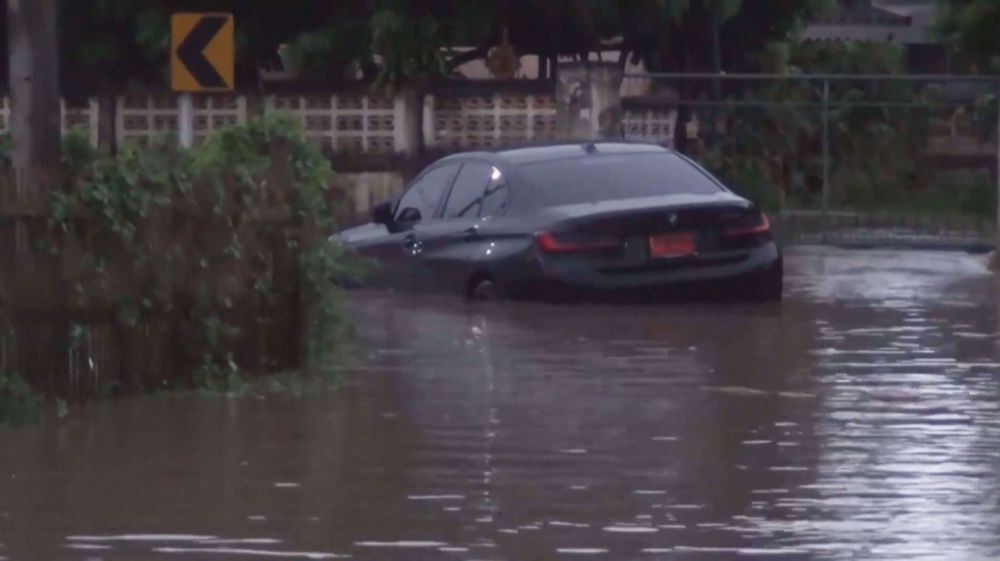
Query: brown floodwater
x=858, y=419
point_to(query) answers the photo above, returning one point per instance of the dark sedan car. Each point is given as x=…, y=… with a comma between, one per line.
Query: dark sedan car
x=570, y=221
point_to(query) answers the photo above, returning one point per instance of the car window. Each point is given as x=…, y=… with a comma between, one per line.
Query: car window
x=495, y=198
x=422, y=198
x=467, y=192
x=621, y=176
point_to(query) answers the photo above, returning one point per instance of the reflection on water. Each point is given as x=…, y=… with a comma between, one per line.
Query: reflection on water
x=858, y=420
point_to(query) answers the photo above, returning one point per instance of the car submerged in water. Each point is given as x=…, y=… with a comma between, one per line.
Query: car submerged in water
x=571, y=221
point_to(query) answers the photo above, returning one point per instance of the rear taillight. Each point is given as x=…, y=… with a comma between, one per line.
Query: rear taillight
x=747, y=226
x=569, y=243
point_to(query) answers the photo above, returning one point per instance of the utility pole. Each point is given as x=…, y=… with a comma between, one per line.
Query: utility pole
x=996, y=228
x=715, y=9
x=33, y=81
x=35, y=119
x=826, y=159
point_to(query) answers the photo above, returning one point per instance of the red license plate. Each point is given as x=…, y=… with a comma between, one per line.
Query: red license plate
x=671, y=245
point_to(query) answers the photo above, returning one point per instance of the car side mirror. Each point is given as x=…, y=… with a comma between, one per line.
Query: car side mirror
x=409, y=215
x=382, y=214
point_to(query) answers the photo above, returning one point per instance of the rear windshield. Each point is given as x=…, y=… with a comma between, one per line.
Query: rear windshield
x=601, y=178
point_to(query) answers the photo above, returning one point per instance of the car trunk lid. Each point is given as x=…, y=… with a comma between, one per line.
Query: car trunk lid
x=655, y=232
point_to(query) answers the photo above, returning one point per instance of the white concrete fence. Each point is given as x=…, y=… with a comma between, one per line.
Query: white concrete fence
x=354, y=123
x=351, y=123
x=478, y=122
x=83, y=118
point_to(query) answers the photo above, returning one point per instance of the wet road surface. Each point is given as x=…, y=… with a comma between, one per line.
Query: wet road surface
x=859, y=419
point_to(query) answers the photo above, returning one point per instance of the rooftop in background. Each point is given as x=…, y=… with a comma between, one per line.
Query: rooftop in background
x=892, y=21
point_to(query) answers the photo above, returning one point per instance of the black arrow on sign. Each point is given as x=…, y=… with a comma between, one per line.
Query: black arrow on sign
x=191, y=51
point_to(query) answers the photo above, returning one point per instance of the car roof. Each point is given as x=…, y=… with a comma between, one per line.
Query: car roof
x=513, y=161
x=558, y=151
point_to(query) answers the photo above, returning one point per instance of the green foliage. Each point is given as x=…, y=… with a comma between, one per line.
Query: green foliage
x=115, y=43
x=985, y=116
x=323, y=266
x=77, y=153
x=970, y=27
x=410, y=49
x=328, y=53
x=972, y=194
x=211, y=237
x=674, y=36
x=152, y=33
x=6, y=145
x=18, y=404
x=851, y=57
x=62, y=409
x=749, y=176
x=773, y=152
x=118, y=42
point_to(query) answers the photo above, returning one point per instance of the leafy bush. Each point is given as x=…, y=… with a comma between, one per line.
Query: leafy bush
x=219, y=241
x=77, y=153
x=986, y=109
x=978, y=198
x=968, y=193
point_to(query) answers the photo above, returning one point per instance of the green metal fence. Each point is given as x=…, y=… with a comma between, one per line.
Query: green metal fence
x=859, y=159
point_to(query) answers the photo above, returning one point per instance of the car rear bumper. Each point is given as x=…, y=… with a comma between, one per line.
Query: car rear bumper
x=718, y=275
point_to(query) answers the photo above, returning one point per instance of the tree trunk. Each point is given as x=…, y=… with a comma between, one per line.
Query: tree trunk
x=34, y=96
x=421, y=145
x=683, y=89
x=106, y=109
x=716, y=69
x=412, y=145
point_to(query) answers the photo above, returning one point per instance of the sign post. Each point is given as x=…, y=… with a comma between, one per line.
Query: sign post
x=201, y=60
x=185, y=120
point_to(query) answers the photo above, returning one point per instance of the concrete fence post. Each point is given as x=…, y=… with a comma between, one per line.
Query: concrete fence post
x=185, y=120
x=588, y=101
x=430, y=102
x=407, y=120
x=398, y=119
x=105, y=123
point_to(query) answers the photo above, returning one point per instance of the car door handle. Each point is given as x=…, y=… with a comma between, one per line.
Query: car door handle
x=470, y=233
x=412, y=244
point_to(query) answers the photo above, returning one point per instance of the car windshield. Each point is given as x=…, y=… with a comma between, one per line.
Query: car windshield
x=621, y=176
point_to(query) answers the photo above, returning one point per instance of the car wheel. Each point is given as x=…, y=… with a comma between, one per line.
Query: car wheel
x=484, y=290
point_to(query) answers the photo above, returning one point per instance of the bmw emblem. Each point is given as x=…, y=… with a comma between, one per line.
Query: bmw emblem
x=672, y=218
